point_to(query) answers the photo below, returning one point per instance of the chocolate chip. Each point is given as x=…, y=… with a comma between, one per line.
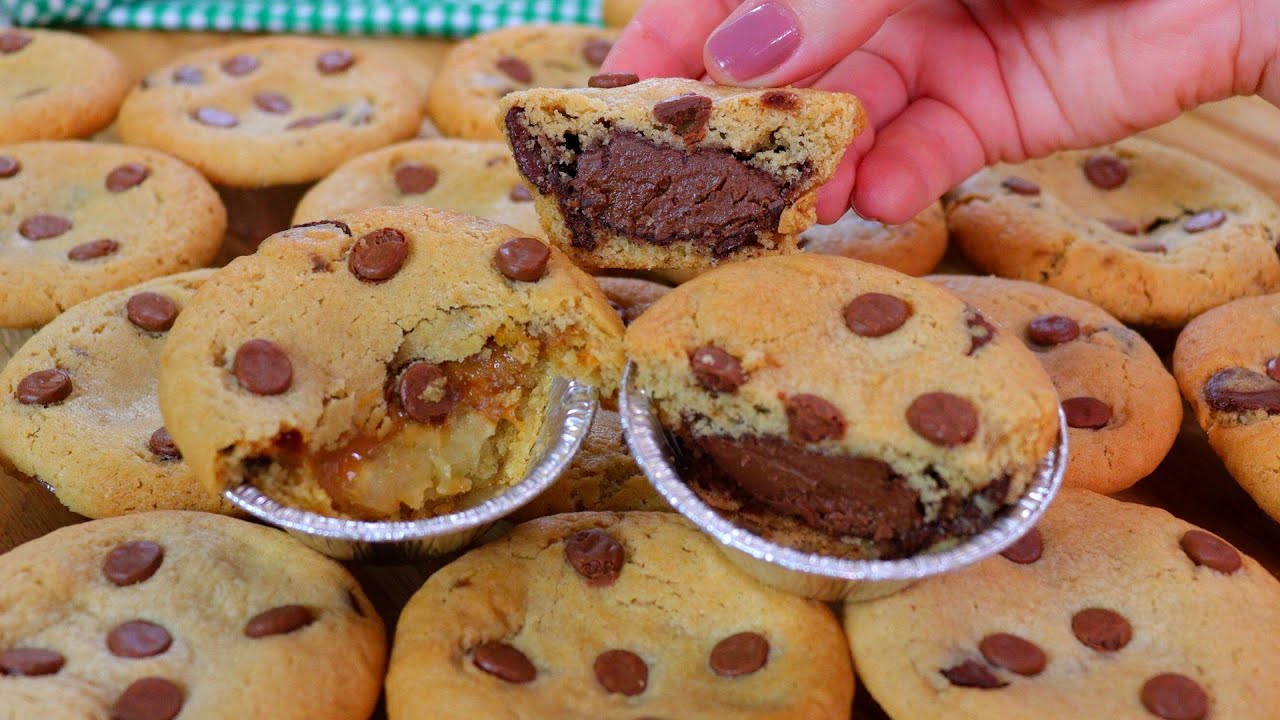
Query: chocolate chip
x=520, y=193
x=523, y=259
x=972, y=674
x=1210, y=551
x=151, y=311
x=335, y=61
x=424, y=393
x=379, y=255
x=622, y=672
x=213, y=117
x=279, y=621
x=595, y=51
x=740, y=654
x=1123, y=225
x=9, y=166
x=875, y=314
x=516, y=69
x=812, y=419
x=784, y=100
x=943, y=419
x=612, y=80
x=981, y=331
x=716, y=370
x=1086, y=413
x=1175, y=697
x=1101, y=629
x=1273, y=368
x=1020, y=186
x=30, y=662
x=1026, y=549
x=132, y=562
x=1052, y=330
x=415, y=178
x=1106, y=172
x=1241, y=390
x=596, y=556
x=1013, y=653
x=686, y=114
x=1207, y=220
x=44, y=387
x=150, y=698
x=262, y=367
x=239, y=65
x=504, y=662
x=1151, y=247
x=188, y=75
x=43, y=227
x=138, y=639
x=310, y=121
x=272, y=102
x=162, y=446
x=93, y=250
x=11, y=41
x=126, y=176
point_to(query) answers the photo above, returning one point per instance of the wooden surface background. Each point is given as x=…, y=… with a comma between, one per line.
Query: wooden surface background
x=1242, y=134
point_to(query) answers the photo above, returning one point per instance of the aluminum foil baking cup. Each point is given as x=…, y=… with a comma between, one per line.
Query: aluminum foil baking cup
x=811, y=575
x=571, y=407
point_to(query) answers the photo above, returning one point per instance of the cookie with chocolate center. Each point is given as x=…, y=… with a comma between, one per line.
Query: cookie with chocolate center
x=56, y=85
x=385, y=364
x=613, y=615
x=676, y=173
x=1123, y=612
x=1150, y=234
x=843, y=408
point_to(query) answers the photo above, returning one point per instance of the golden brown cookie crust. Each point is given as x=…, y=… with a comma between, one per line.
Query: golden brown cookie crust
x=914, y=247
x=59, y=86
x=674, y=599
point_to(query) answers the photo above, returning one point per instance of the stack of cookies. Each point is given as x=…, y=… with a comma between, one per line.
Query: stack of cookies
x=270, y=282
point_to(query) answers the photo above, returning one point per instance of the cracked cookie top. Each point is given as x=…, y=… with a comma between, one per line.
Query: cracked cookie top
x=1149, y=233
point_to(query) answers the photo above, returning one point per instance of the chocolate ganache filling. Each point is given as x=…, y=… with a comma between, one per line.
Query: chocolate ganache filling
x=657, y=194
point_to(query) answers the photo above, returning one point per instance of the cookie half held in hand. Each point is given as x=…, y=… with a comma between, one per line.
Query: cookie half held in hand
x=675, y=173
x=608, y=615
x=390, y=364
x=1150, y=234
x=1227, y=363
x=1122, y=407
x=840, y=408
x=183, y=615
x=1107, y=610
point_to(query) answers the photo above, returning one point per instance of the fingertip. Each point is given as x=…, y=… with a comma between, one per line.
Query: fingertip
x=665, y=39
x=889, y=191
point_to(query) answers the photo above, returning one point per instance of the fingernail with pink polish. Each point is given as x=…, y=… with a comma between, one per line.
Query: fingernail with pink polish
x=759, y=41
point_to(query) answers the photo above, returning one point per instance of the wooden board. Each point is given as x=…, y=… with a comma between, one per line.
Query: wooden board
x=1242, y=134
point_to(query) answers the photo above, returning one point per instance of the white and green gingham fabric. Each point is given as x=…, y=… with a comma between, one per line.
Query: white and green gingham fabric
x=451, y=18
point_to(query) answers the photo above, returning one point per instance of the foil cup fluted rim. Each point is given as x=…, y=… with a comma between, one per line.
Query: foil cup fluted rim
x=574, y=401
x=645, y=438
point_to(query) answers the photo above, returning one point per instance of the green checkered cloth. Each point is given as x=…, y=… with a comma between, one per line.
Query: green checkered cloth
x=450, y=18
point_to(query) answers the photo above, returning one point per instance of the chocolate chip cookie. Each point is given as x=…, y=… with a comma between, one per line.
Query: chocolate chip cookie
x=1149, y=233
x=914, y=247
x=474, y=177
x=92, y=373
x=165, y=615
x=1226, y=364
x=676, y=173
x=602, y=476
x=479, y=71
x=56, y=85
x=1122, y=407
x=840, y=407
x=631, y=296
x=270, y=111
x=604, y=615
x=79, y=219
x=384, y=364
x=1107, y=610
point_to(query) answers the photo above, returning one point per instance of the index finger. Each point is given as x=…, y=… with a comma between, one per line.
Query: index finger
x=665, y=38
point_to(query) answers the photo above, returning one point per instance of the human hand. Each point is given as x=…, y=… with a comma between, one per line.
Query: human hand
x=952, y=85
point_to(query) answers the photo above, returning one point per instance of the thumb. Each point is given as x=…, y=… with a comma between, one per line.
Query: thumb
x=779, y=42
